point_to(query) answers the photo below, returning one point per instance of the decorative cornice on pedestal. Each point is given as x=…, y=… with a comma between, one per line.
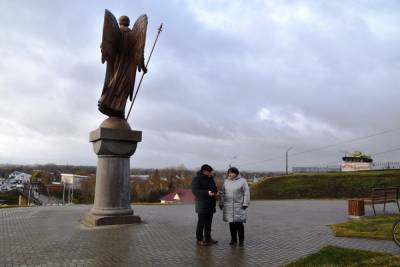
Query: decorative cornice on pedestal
x=115, y=134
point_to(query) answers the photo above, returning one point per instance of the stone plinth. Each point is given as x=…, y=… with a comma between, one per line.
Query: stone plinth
x=114, y=143
x=355, y=166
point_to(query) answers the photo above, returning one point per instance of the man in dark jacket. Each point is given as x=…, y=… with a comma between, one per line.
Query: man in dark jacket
x=205, y=191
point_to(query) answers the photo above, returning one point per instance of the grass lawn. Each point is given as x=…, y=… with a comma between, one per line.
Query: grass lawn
x=337, y=256
x=325, y=185
x=11, y=206
x=379, y=227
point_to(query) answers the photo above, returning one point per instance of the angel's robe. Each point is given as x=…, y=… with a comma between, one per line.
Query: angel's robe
x=120, y=78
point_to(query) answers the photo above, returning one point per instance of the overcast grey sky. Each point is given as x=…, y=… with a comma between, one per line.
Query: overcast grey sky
x=238, y=81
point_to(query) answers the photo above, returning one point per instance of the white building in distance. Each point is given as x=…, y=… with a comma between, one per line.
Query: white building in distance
x=73, y=180
x=142, y=177
x=18, y=177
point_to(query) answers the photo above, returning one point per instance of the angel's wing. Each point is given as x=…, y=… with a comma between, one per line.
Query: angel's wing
x=111, y=38
x=138, y=40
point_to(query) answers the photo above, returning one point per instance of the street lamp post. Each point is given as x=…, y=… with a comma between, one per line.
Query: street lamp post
x=287, y=164
x=63, y=194
x=230, y=160
x=345, y=152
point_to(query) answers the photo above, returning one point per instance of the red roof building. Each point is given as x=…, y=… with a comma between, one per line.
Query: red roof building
x=179, y=196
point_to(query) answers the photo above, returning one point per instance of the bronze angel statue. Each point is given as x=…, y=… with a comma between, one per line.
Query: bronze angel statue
x=123, y=49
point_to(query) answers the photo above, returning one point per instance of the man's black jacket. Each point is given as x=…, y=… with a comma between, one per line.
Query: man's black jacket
x=201, y=184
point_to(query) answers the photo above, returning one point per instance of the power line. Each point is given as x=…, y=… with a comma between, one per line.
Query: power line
x=324, y=147
x=262, y=161
x=387, y=151
x=347, y=141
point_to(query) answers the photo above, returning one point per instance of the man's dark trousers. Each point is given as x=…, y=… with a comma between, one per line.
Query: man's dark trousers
x=205, y=204
x=204, y=224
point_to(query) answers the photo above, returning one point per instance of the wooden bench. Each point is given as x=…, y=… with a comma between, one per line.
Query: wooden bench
x=383, y=196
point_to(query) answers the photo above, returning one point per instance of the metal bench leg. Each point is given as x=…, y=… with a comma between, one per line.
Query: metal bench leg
x=373, y=207
x=384, y=207
x=398, y=205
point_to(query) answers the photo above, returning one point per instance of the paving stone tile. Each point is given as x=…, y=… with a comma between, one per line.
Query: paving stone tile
x=277, y=232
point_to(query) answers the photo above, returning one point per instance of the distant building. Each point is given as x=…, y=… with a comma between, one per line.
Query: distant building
x=252, y=179
x=18, y=177
x=179, y=196
x=73, y=180
x=255, y=179
x=55, y=187
x=142, y=177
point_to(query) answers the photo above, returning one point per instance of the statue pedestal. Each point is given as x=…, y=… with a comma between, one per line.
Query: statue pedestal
x=114, y=143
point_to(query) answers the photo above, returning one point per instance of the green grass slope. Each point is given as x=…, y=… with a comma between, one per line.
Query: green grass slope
x=332, y=256
x=324, y=185
x=379, y=227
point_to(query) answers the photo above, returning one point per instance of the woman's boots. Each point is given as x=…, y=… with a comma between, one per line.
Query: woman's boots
x=236, y=229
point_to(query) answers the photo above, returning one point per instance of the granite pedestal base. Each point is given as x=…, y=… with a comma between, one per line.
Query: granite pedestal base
x=98, y=220
x=114, y=143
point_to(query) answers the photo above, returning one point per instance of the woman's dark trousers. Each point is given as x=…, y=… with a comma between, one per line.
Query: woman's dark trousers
x=237, y=229
x=204, y=224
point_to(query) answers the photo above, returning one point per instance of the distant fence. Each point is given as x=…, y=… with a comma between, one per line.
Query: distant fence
x=385, y=165
x=335, y=168
x=390, y=165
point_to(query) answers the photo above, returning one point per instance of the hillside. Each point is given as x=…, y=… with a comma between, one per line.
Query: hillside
x=324, y=185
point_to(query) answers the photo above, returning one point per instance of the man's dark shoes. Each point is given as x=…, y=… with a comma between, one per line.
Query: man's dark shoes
x=233, y=242
x=241, y=244
x=202, y=243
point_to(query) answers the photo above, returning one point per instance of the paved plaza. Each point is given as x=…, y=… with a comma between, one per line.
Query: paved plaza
x=277, y=232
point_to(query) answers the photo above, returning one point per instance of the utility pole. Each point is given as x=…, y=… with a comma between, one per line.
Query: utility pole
x=72, y=201
x=29, y=194
x=64, y=194
x=287, y=163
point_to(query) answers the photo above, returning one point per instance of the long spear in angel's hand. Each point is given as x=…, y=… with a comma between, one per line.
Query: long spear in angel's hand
x=141, y=78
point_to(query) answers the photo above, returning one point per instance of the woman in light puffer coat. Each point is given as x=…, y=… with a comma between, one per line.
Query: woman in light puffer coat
x=234, y=200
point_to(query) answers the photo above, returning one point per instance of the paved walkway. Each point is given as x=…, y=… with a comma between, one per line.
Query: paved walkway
x=36, y=197
x=277, y=232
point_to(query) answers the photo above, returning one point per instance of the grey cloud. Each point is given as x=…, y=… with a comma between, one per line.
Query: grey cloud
x=206, y=85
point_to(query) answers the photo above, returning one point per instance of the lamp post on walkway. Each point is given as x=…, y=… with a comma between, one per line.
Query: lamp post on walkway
x=345, y=152
x=287, y=167
x=230, y=160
